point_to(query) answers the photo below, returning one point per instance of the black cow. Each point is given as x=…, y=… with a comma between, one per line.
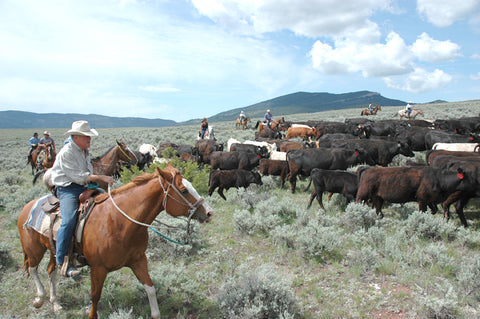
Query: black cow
x=261, y=151
x=303, y=161
x=380, y=128
x=414, y=137
x=460, y=199
x=426, y=185
x=268, y=133
x=465, y=125
x=275, y=168
x=381, y=151
x=234, y=160
x=435, y=136
x=231, y=178
x=333, y=181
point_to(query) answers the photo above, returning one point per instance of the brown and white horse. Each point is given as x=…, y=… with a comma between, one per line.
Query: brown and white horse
x=116, y=232
x=412, y=116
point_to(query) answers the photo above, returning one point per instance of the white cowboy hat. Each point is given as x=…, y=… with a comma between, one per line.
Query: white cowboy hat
x=268, y=111
x=46, y=133
x=82, y=128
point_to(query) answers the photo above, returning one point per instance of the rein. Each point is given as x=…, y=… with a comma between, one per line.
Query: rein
x=192, y=208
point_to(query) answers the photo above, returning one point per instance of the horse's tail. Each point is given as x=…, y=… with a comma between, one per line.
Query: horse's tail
x=37, y=174
x=258, y=123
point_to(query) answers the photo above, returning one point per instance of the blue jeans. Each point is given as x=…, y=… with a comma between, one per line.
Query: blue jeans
x=69, y=201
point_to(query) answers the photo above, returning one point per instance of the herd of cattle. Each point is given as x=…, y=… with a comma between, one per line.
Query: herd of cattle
x=323, y=151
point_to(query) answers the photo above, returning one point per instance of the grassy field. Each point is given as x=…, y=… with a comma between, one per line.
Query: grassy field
x=264, y=255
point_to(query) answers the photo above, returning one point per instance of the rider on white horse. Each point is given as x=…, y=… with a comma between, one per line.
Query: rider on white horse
x=408, y=108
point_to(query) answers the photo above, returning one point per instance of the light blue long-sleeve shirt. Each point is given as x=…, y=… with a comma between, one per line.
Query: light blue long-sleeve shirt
x=71, y=165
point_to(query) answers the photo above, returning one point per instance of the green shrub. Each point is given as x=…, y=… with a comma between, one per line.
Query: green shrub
x=428, y=226
x=358, y=216
x=468, y=277
x=257, y=293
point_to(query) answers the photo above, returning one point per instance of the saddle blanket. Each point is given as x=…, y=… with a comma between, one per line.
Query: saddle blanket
x=39, y=220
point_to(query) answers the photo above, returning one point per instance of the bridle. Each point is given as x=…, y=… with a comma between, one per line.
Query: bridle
x=193, y=208
x=126, y=155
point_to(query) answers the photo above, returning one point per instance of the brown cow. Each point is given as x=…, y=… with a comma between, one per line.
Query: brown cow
x=302, y=131
x=275, y=168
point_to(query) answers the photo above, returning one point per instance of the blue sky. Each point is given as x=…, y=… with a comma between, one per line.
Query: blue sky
x=180, y=59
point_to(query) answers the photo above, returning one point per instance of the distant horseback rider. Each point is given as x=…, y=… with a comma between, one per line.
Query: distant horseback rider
x=242, y=116
x=370, y=108
x=47, y=139
x=33, y=143
x=204, y=127
x=408, y=108
x=268, y=118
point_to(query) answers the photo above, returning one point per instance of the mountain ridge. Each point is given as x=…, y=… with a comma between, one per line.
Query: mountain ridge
x=298, y=102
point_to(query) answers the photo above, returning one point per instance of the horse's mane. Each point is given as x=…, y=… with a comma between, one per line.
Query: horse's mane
x=139, y=180
x=105, y=153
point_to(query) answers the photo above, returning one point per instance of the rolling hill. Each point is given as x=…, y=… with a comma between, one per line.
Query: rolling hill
x=299, y=102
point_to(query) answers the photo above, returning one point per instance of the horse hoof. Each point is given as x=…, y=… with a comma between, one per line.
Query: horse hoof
x=38, y=302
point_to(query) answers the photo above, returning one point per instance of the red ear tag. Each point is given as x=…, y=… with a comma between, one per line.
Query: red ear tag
x=359, y=138
x=460, y=175
x=456, y=131
x=258, y=156
x=356, y=153
x=471, y=138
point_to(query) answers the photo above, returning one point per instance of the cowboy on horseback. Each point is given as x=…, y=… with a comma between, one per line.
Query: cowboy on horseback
x=242, y=116
x=46, y=139
x=408, y=108
x=71, y=173
x=370, y=108
x=33, y=143
x=268, y=118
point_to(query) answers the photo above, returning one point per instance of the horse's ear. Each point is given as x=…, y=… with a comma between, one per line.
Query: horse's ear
x=118, y=143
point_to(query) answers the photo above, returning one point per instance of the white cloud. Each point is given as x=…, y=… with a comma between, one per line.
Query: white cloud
x=475, y=77
x=391, y=58
x=308, y=18
x=430, y=50
x=444, y=13
x=475, y=56
x=159, y=89
x=421, y=81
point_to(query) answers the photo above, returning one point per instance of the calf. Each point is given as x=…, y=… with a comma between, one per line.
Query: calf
x=426, y=185
x=333, y=181
x=231, y=178
x=275, y=168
